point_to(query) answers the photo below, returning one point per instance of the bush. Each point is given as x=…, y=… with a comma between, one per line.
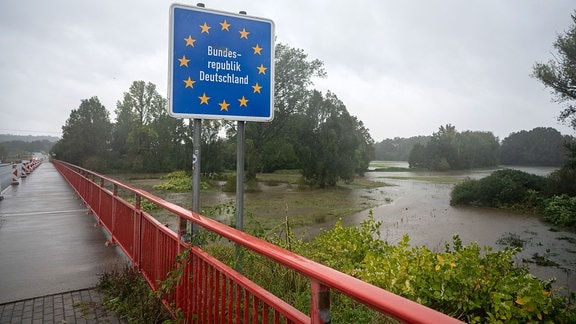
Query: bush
x=562, y=181
x=128, y=294
x=561, y=210
x=230, y=185
x=503, y=188
x=467, y=282
x=464, y=193
x=178, y=181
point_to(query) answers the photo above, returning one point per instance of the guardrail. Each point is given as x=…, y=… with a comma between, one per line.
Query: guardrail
x=13, y=173
x=209, y=291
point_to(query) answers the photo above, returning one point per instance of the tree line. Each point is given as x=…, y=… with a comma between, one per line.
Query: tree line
x=450, y=149
x=16, y=149
x=311, y=131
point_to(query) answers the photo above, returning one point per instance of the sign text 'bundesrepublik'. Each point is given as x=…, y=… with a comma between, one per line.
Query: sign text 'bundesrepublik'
x=220, y=66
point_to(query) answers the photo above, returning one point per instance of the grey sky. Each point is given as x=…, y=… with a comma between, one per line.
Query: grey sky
x=402, y=67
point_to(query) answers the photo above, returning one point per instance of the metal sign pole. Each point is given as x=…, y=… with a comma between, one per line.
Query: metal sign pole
x=240, y=178
x=196, y=172
x=239, y=189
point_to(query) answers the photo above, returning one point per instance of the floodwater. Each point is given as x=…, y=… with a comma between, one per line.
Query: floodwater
x=422, y=210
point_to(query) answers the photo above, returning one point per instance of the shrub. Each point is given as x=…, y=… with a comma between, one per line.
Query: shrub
x=145, y=204
x=503, y=188
x=464, y=193
x=128, y=294
x=230, y=185
x=467, y=282
x=561, y=210
x=562, y=181
x=178, y=181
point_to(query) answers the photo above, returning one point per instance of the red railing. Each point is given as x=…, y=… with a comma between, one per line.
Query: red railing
x=209, y=291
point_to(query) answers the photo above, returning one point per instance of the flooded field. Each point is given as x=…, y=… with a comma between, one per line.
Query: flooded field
x=412, y=203
x=421, y=209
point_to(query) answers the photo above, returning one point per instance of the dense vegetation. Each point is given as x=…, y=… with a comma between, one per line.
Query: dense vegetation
x=520, y=190
x=541, y=146
x=553, y=195
x=449, y=149
x=538, y=147
x=144, y=138
x=474, y=284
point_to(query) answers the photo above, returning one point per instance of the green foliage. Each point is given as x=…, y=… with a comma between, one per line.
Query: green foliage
x=144, y=137
x=95, y=163
x=179, y=181
x=562, y=181
x=293, y=77
x=341, y=148
x=503, y=188
x=397, y=149
x=86, y=134
x=451, y=150
x=558, y=73
x=539, y=147
x=467, y=282
x=145, y=204
x=230, y=185
x=473, y=284
x=561, y=210
x=128, y=294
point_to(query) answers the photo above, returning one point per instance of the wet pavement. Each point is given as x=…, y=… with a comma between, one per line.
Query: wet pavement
x=49, y=246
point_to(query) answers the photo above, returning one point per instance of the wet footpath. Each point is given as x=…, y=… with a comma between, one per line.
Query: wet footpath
x=52, y=254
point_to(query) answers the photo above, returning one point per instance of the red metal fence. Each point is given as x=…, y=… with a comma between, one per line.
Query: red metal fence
x=209, y=291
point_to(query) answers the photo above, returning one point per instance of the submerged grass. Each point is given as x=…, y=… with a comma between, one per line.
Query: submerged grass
x=280, y=195
x=428, y=179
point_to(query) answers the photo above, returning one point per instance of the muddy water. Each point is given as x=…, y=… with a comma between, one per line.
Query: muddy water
x=421, y=209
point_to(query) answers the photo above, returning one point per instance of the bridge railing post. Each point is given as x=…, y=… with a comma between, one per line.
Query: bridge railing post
x=320, y=303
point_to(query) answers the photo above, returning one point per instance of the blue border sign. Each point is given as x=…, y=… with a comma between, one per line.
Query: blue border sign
x=220, y=65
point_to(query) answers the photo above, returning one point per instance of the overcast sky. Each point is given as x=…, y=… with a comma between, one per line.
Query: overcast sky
x=404, y=68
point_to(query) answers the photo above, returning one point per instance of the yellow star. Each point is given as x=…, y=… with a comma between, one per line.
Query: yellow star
x=244, y=33
x=189, y=41
x=224, y=105
x=204, y=99
x=225, y=25
x=189, y=83
x=243, y=102
x=205, y=28
x=257, y=49
x=262, y=69
x=184, y=61
x=256, y=88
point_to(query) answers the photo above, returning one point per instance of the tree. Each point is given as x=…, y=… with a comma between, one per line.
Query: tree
x=212, y=146
x=86, y=136
x=559, y=74
x=417, y=158
x=397, y=149
x=332, y=144
x=141, y=119
x=542, y=146
x=451, y=150
x=292, y=79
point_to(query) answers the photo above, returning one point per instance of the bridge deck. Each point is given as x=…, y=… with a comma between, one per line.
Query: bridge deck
x=49, y=245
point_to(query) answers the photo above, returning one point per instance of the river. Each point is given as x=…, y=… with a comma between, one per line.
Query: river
x=421, y=209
